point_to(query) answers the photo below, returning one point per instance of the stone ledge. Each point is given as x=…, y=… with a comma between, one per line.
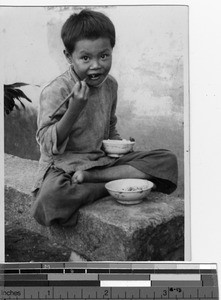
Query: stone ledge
x=106, y=230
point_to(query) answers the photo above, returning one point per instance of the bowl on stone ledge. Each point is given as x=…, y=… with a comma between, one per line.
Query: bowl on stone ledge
x=129, y=191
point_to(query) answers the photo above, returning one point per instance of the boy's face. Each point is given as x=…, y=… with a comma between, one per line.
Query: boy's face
x=91, y=60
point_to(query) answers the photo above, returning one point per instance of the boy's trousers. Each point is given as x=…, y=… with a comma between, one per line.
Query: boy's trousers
x=59, y=199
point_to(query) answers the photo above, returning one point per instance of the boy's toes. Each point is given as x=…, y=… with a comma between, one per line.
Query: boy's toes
x=78, y=177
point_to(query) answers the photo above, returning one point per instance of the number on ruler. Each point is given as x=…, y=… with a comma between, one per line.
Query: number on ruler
x=106, y=293
x=175, y=292
x=46, y=266
x=179, y=290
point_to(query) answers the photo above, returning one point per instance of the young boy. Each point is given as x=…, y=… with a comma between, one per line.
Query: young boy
x=73, y=167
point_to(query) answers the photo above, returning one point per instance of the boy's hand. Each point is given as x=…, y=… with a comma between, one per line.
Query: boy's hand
x=80, y=91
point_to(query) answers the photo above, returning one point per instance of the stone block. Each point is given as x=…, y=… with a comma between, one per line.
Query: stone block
x=150, y=231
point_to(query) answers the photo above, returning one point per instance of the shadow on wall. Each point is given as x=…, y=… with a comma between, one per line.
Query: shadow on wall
x=20, y=130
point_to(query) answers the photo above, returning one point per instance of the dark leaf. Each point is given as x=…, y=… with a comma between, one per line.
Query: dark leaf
x=22, y=95
x=18, y=84
x=21, y=103
x=17, y=107
x=7, y=98
x=12, y=93
x=8, y=104
x=16, y=93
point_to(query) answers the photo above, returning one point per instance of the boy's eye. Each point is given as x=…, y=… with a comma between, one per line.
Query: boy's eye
x=103, y=56
x=85, y=58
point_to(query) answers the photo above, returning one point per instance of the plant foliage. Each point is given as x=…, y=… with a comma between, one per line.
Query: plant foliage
x=12, y=94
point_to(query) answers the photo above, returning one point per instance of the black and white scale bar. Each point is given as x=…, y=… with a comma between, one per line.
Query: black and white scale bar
x=72, y=292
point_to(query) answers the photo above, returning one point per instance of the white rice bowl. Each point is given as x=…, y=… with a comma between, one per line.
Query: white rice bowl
x=117, y=147
x=129, y=191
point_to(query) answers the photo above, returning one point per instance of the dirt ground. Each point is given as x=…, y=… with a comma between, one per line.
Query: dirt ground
x=24, y=246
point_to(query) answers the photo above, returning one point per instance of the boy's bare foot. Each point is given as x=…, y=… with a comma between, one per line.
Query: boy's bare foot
x=85, y=176
x=79, y=176
x=108, y=174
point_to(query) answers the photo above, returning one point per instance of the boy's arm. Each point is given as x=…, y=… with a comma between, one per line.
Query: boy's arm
x=53, y=135
x=113, y=133
x=76, y=104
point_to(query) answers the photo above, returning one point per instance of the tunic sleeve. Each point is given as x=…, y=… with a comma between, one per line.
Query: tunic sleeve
x=50, y=98
x=113, y=133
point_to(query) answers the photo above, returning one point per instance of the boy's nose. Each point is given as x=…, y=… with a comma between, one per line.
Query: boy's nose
x=94, y=64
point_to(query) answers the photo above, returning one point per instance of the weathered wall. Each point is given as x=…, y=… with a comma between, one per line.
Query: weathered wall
x=149, y=63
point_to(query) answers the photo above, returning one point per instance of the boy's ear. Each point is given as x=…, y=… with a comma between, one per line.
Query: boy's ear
x=68, y=56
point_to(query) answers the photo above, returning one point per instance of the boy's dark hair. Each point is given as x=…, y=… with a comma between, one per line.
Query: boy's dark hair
x=86, y=25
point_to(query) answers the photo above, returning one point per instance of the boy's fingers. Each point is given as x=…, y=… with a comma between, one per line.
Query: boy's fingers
x=86, y=93
x=80, y=90
x=83, y=84
x=76, y=88
x=85, y=89
x=78, y=85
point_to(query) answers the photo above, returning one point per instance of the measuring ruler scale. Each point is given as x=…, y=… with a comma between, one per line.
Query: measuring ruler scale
x=98, y=280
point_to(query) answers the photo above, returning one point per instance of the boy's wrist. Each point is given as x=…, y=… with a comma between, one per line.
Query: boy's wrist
x=75, y=107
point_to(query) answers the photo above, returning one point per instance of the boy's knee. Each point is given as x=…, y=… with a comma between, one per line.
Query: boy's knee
x=50, y=199
x=172, y=157
x=169, y=156
x=55, y=185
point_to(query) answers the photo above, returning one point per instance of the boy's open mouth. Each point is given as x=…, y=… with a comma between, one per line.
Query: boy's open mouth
x=94, y=76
